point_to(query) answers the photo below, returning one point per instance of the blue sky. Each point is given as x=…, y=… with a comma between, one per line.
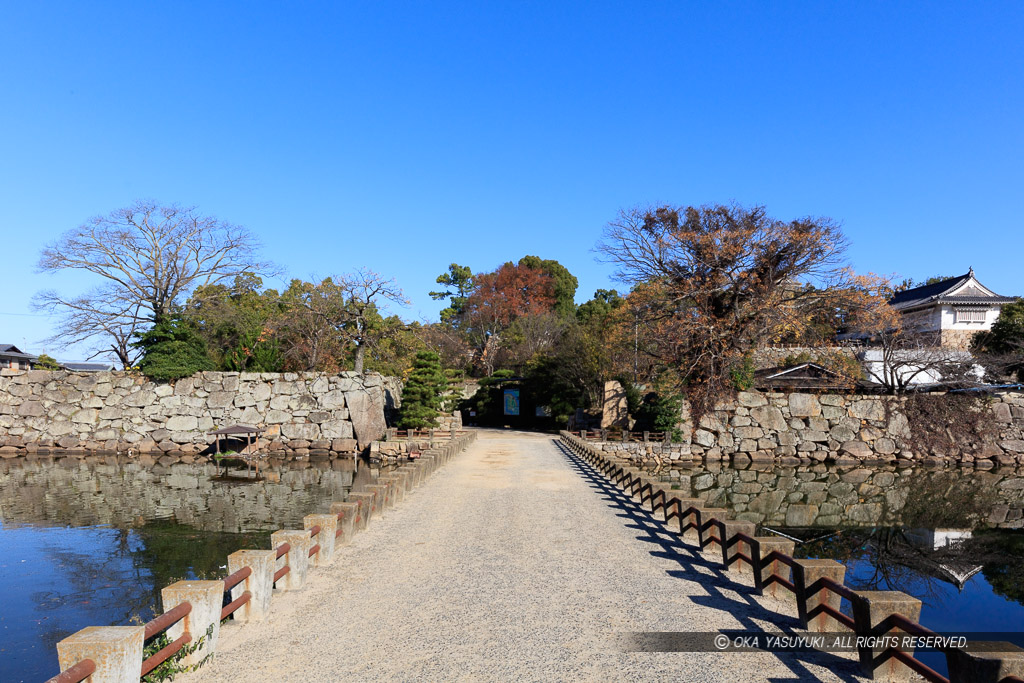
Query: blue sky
x=405, y=136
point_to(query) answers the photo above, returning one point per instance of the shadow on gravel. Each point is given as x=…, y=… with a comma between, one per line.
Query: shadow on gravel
x=724, y=592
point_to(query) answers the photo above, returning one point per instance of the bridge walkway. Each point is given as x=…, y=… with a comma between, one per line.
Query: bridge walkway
x=514, y=562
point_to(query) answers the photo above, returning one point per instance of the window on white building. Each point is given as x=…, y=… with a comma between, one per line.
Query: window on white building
x=970, y=315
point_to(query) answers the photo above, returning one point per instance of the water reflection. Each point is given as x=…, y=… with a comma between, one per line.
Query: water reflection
x=92, y=540
x=831, y=496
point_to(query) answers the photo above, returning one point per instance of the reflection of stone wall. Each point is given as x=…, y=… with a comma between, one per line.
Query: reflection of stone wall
x=124, y=492
x=115, y=411
x=823, y=496
x=826, y=427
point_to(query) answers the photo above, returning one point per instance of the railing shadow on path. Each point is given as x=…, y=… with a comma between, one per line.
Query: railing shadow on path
x=740, y=602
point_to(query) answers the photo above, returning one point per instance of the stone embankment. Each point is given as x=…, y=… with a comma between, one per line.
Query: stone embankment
x=829, y=428
x=299, y=413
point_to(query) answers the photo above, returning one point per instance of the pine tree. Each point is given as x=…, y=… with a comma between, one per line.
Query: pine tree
x=421, y=398
x=172, y=349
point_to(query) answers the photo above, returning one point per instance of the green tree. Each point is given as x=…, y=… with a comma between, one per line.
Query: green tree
x=458, y=282
x=44, y=362
x=172, y=349
x=423, y=393
x=238, y=324
x=598, y=309
x=1005, y=340
x=564, y=283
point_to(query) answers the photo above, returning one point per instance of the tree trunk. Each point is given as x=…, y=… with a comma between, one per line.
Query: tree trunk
x=360, y=356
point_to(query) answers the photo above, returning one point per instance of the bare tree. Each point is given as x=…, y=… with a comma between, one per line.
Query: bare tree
x=147, y=258
x=364, y=291
x=901, y=361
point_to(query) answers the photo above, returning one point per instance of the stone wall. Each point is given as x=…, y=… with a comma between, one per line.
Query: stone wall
x=828, y=428
x=299, y=413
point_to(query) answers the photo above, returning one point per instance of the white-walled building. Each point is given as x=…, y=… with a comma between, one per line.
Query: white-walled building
x=956, y=308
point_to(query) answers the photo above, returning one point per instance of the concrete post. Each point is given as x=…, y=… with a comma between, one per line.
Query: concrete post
x=206, y=598
x=297, y=557
x=395, y=488
x=380, y=500
x=365, y=501
x=328, y=524
x=987, y=662
x=706, y=531
x=691, y=535
x=116, y=650
x=347, y=522
x=808, y=596
x=764, y=571
x=871, y=608
x=410, y=476
x=732, y=546
x=260, y=583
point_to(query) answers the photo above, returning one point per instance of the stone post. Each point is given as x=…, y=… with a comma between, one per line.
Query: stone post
x=260, y=583
x=365, y=501
x=764, y=571
x=380, y=492
x=986, y=662
x=809, y=596
x=346, y=522
x=733, y=546
x=297, y=557
x=206, y=598
x=410, y=476
x=871, y=608
x=116, y=650
x=707, y=531
x=395, y=488
x=328, y=524
x=691, y=535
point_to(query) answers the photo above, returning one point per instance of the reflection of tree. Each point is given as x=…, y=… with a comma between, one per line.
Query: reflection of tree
x=118, y=574
x=946, y=500
x=1003, y=564
x=896, y=560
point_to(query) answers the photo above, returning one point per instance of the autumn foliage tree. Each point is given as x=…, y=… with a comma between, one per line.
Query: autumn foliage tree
x=713, y=283
x=499, y=298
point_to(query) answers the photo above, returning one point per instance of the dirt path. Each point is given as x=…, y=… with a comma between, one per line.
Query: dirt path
x=511, y=563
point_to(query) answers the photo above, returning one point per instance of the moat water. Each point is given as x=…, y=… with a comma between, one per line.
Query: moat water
x=90, y=541
x=953, y=538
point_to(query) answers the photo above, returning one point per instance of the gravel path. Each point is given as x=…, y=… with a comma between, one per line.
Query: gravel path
x=513, y=562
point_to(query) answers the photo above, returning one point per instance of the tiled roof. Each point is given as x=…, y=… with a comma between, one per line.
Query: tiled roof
x=14, y=351
x=940, y=292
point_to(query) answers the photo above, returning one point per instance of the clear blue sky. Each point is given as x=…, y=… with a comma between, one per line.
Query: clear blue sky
x=405, y=136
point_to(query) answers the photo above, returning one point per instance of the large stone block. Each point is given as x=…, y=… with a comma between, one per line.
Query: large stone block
x=182, y=423
x=769, y=417
x=751, y=399
x=301, y=430
x=867, y=409
x=804, y=405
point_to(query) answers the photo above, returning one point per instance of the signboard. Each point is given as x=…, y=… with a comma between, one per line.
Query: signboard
x=511, y=401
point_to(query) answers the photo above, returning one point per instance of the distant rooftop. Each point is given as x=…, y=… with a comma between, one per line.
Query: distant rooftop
x=87, y=367
x=13, y=351
x=963, y=289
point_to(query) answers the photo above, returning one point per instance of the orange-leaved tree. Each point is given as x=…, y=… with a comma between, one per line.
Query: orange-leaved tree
x=711, y=284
